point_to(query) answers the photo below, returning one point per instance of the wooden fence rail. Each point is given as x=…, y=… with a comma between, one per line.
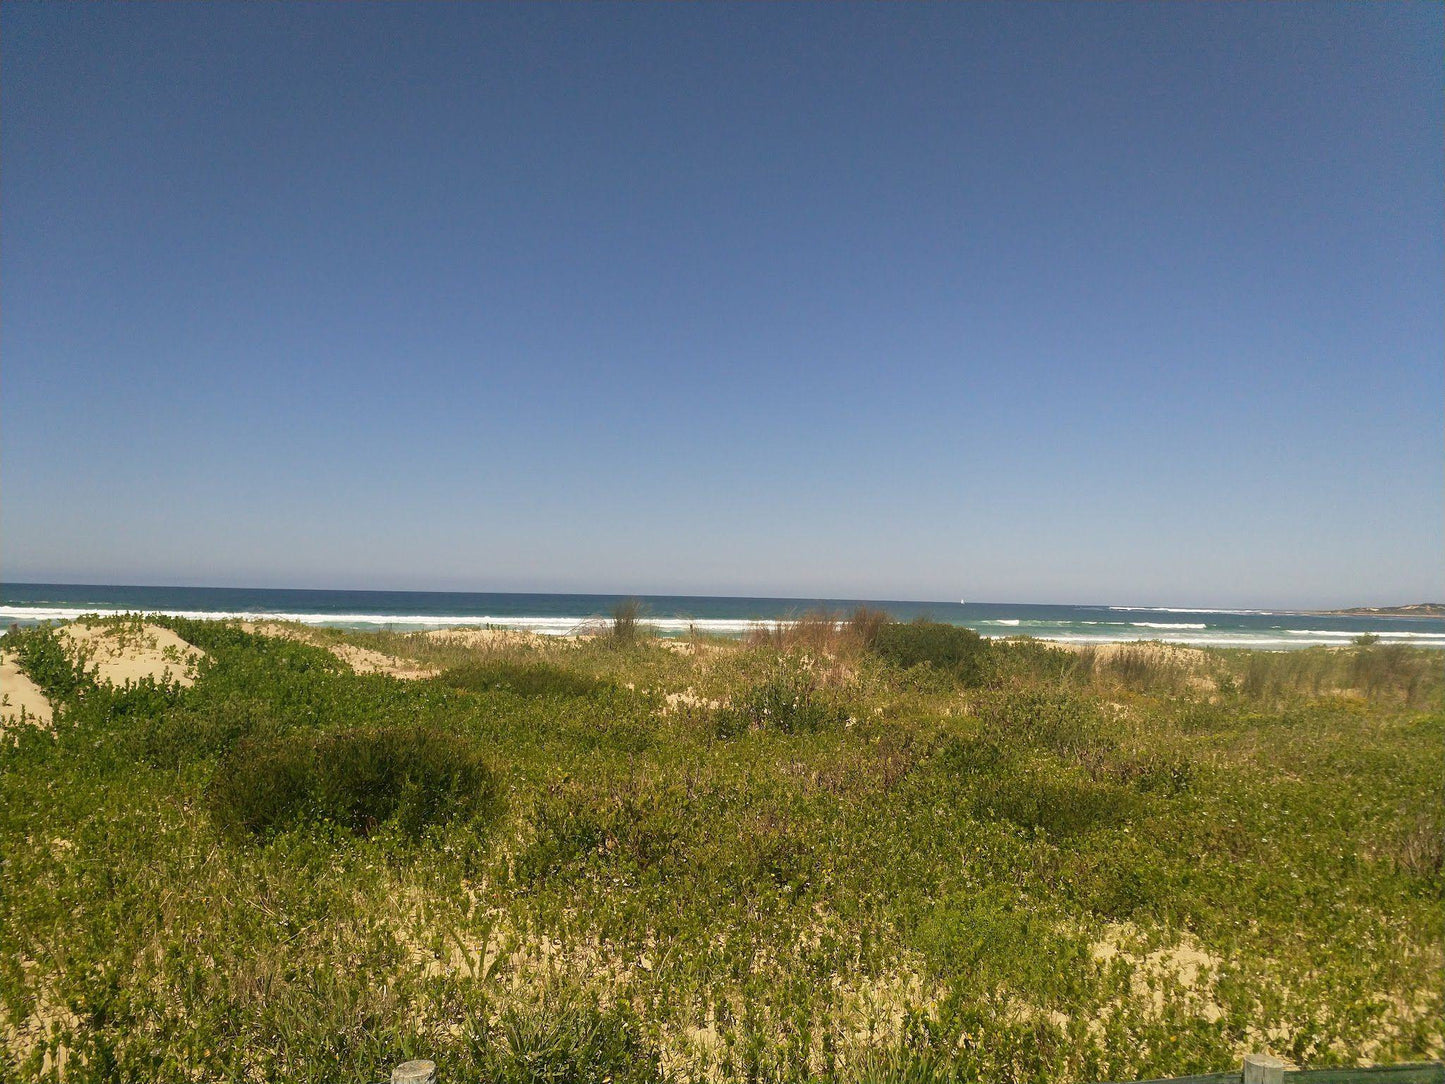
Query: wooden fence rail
x=1257, y=1069
x=1263, y=1069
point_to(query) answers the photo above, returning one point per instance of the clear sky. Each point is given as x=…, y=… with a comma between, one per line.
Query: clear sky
x=1124, y=303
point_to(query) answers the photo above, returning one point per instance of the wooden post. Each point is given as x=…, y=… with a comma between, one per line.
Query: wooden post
x=1263, y=1069
x=415, y=1072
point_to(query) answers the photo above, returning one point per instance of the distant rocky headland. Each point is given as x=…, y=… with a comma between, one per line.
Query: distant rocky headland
x=1415, y=609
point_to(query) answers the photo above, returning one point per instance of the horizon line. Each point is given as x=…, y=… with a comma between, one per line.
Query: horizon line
x=694, y=595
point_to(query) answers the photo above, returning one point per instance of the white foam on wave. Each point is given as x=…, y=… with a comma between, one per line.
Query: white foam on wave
x=1210, y=640
x=1203, y=636
x=551, y=626
x=1383, y=634
x=1191, y=610
x=1189, y=633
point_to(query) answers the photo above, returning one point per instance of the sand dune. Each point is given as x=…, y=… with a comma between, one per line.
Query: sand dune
x=126, y=652
x=19, y=694
x=468, y=637
x=362, y=660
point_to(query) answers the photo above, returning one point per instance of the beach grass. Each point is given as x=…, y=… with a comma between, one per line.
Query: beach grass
x=855, y=851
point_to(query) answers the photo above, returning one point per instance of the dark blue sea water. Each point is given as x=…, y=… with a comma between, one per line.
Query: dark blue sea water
x=27, y=603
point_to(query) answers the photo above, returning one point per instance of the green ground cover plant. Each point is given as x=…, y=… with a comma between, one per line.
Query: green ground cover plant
x=522, y=678
x=953, y=650
x=813, y=856
x=789, y=698
x=359, y=780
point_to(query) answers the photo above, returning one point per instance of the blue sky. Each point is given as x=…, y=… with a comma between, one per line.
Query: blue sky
x=1125, y=303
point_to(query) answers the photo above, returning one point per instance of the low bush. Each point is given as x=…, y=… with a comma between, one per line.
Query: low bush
x=993, y=939
x=567, y=1039
x=951, y=888
x=1142, y=667
x=771, y=852
x=1025, y=662
x=1380, y=672
x=358, y=780
x=566, y=830
x=521, y=679
x=865, y=623
x=1058, y=806
x=572, y=827
x=1120, y=880
x=1389, y=671
x=971, y=755
x=958, y=651
x=790, y=699
x=1150, y=773
x=1060, y=723
x=1418, y=850
x=40, y=655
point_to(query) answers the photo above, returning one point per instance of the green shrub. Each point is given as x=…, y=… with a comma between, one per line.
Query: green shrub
x=1025, y=662
x=910, y=898
x=770, y=852
x=1118, y=877
x=39, y=654
x=1057, y=806
x=1155, y=773
x=971, y=755
x=521, y=679
x=865, y=623
x=1380, y=670
x=1418, y=850
x=357, y=779
x=567, y=1039
x=788, y=699
x=1146, y=668
x=986, y=939
x=1384, y=672
x=1068, y=726
x=571, y=827
x=958, y=651
x=567, y=831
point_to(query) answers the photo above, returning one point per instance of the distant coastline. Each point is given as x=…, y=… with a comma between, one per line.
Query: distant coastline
x=1415, y=609
x=563, y=614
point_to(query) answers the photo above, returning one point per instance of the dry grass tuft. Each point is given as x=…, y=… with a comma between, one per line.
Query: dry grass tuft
x=822, y=632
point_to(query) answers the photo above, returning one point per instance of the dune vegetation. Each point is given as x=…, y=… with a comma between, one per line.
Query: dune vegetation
x=850, y=850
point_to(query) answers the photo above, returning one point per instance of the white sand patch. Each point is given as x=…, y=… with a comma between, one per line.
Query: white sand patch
x=693, y=647
x=1186, y=968
x=132, y=652
x=363, y=660
x=20, y=698
x=19, y=1038
x=689, y=698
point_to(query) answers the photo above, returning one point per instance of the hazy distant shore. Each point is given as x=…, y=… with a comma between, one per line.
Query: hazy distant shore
x=1415, y=609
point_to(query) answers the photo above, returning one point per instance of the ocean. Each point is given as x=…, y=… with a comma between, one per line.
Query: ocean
x=28, y=603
